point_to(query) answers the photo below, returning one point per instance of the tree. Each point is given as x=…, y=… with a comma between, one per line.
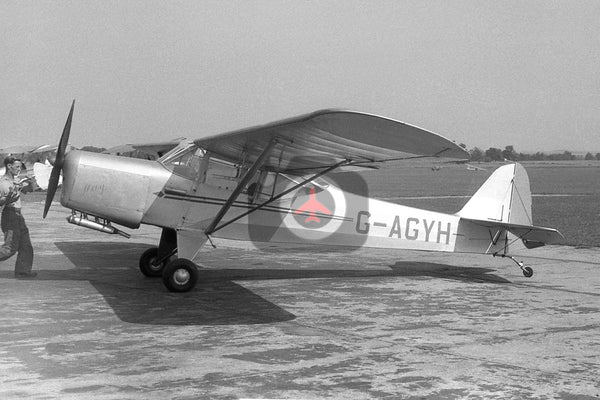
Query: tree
x=493, y=154
x=476, y=154
x=509, y=153
x=589, y=156
x=93, y=149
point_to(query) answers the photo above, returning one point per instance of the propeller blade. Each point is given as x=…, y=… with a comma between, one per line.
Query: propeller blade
x=58, y=163
x=64, y=138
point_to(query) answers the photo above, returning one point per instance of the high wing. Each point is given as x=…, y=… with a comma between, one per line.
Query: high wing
x=327, y=137
x=44, y=148
x=18, y=149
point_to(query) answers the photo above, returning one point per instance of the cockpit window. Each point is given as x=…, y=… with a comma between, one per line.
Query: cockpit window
x=184, y=160
x=178, y=151
x=192, y=162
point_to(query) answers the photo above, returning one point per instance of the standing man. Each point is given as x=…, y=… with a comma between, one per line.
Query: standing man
x=16, y=234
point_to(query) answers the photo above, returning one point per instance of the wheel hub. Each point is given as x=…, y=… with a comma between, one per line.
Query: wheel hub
x=181, y=276
x=153, y=265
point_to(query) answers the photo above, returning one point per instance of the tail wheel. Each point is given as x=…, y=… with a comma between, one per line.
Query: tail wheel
x=148, y=264
x=527, y=271
x=180, y=275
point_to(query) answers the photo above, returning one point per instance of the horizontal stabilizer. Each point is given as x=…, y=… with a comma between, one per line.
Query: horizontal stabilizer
x=532, y=236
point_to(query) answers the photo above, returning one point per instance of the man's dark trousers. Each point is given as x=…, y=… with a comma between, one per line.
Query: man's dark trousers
x=16, y=240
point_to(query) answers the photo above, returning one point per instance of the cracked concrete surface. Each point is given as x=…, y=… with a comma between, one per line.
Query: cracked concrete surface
x=296, y=324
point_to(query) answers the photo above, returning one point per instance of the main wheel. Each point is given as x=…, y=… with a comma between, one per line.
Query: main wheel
x=528, y=272
x=180, y=275
x=148, y=264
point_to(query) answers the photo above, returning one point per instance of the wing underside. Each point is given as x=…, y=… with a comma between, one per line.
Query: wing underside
x=327, y=137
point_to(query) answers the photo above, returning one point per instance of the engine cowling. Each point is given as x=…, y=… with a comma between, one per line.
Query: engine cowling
x=118, y=189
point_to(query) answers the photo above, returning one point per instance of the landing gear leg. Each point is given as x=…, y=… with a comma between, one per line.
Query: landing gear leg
x=527, y=271
x=154, y=260
x=181, y=273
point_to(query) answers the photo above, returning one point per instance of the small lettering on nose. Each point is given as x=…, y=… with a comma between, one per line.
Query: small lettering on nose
x=93, y=188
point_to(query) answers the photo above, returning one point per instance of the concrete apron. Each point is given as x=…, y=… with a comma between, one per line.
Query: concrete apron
x=300, y=324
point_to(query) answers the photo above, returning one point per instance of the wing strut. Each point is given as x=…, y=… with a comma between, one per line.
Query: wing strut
x=241, y=184
x=280, y=195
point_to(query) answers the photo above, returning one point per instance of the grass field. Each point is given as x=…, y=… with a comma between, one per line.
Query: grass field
x=566, y=195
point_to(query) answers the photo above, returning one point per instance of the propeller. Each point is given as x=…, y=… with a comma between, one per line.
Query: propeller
x=58, y=163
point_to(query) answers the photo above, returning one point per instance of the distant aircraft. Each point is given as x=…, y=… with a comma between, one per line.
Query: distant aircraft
x=42, y=172
x=17, y=149
x=471, y=167
x=157, y=149
x=21, y=150
x=194, y=193
x=31, y=155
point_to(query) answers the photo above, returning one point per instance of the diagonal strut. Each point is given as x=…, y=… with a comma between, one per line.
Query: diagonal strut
x=280, y=195
x=241, y=184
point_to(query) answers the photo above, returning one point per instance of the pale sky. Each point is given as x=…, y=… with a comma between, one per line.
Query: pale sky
x=484, y=73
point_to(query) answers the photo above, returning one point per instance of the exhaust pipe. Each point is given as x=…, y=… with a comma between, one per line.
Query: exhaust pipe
x=97, y=224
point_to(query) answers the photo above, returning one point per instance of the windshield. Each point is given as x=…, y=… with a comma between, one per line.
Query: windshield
x=181, y=149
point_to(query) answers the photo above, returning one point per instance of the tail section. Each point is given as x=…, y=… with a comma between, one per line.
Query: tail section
x=499, y=213
x=504, y=197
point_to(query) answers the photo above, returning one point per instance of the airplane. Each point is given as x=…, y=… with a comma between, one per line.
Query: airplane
x=155, y=150
x=471, y=167
x=252, y=184
x=27, y=154
x=17, y=149
x=41, y=151
x=42, y=173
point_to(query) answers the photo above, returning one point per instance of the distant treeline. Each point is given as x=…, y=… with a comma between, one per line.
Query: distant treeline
x=93, y=149
x=509, y=153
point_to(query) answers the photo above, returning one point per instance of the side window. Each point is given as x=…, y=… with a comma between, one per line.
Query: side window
x=222, y=174
x=261, y=189
x=284, y=182
x=267, y=185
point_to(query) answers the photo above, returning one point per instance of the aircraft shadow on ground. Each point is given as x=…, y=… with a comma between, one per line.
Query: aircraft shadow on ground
x=463, y=274
x=112, y=268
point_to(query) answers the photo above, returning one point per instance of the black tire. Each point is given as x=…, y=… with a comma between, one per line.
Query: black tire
x=528, y=272
x=147, y=265
x=180, y=275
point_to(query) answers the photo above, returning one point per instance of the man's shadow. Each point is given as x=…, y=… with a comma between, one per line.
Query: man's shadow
x=112, y=268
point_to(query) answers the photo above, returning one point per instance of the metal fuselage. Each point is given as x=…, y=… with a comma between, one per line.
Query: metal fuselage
x=131, y=192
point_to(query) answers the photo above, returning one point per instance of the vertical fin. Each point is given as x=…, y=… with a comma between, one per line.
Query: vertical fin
x=520, y=205
x=504, y=197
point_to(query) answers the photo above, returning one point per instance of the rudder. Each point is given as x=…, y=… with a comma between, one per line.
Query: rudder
x=504, y=197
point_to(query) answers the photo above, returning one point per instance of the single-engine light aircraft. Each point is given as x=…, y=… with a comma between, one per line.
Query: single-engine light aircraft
x=266, y=184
